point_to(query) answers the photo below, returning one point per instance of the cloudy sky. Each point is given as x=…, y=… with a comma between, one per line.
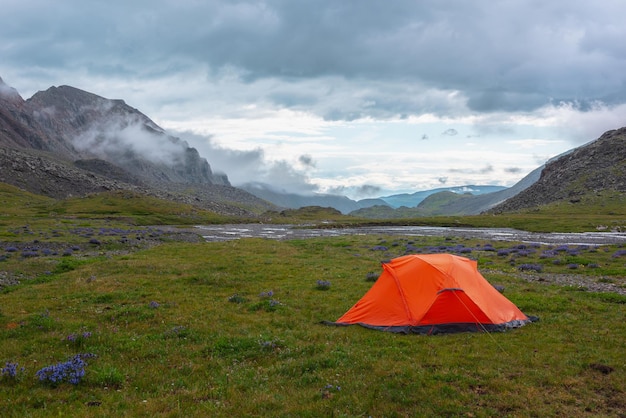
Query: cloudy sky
x=361, y=97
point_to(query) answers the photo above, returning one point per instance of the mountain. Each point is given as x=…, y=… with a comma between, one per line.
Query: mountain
x=382, y=207
x=65, y=141
x=592, y=168
x=468, y=204
x=68, y=142
x=294, y=201
x=414, y=199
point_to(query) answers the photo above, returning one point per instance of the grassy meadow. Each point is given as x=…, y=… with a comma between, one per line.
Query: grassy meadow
x=112, y=317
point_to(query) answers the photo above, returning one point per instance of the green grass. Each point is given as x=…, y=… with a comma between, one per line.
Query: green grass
x=233, y=328
x=107, y=208
x=172, y=339
x=605, y=210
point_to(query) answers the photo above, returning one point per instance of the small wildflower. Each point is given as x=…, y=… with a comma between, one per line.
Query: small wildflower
x=323, y=285
x=618, y=253
x=154, y=304
x=267, y=294
x=178, y=331
x=11, y=371
x=78, y=339
x=71, y=371
x=236, y=298
x=327, y=391
x=274, y=302
x=530, y=267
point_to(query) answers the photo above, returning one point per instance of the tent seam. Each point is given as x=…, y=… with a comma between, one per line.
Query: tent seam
x=402, y=297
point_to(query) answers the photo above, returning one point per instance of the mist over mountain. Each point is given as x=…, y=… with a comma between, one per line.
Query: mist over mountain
x=293, y=200
x=91, y=144
x=68, y=142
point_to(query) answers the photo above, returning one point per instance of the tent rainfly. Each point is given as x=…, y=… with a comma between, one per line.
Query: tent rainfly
x=433, y=294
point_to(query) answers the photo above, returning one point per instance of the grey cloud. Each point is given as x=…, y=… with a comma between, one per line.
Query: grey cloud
x=484, y=170
x=498, y=55
x=513, y=170
x=367, y=190
x=450, y=132
x=358, y=192
x=306, y=160
x=494, y=100
x=252, y=165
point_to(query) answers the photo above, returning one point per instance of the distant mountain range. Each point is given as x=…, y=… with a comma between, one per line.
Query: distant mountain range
x=361, y=207
x=67, y=142
x=293, y=200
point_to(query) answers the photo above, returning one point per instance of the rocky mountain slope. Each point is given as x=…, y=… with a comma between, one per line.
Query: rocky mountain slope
x=597, y=166
x=67, y=142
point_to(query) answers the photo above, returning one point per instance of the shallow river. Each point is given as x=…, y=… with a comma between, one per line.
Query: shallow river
x=230, y=232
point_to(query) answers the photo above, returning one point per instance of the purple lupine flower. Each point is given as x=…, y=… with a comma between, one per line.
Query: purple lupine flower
x=323, y=284
x=530, y=267
x=10, y=370
x=71, y=371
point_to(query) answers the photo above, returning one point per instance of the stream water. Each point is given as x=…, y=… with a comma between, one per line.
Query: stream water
x=236, y=231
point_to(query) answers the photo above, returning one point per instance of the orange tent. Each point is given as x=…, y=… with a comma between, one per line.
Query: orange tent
x=431, y=294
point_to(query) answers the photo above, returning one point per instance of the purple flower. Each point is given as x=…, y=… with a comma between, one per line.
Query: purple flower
x=71, y=371
x=323, y=284
x=78, y=339
x=530, y=267
x=11, y=371
x=619, y=253
x=154, y=304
